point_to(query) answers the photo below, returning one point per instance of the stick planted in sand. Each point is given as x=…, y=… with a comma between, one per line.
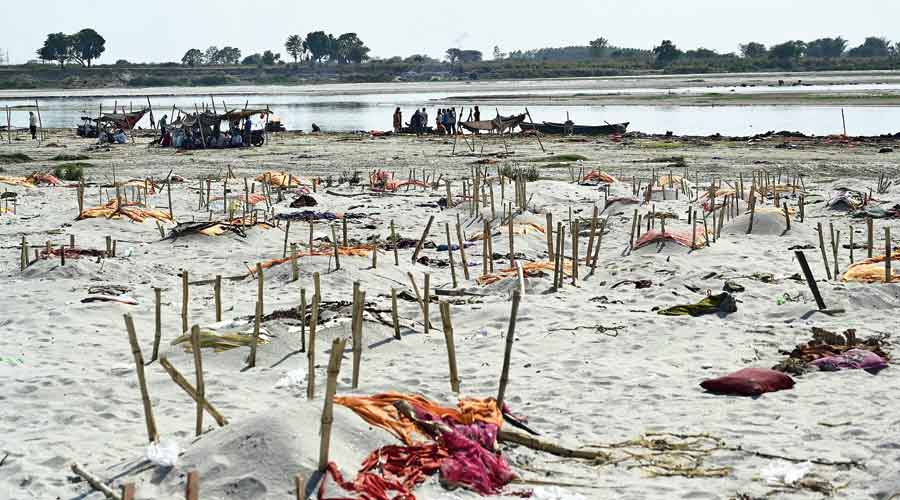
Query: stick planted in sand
x=192, y=489
x=95, y=482
x=302, y=315
x=510, y=336
x=300, y=487
x=169, y=189
x=184, y=300
x=824, y=253
x=549, y=230
x=334, y=368
x=346, y=241
x=512, y=245
x=835, y=245
x=462, y=249
x=888, y=251
x=257, y=319
x=198, y=370
x=334, y=243
x=421, y=242
x=152, y=434
x=810, y=280
x=870, y=237
x=787, y=217
x=157, y=332
x=182, y=382
x=395, y=318
x=752, y=212
x=128, y=491
x=311, y=350
x=485, y=252
x=260, y=283
x=217, y=292
x=356, y=319
x=415, y=287
x=450, y=255
x=451, y=348
x=295, y=264
x=394, y=241
x=558, y=267
x=287, y=234
x=590, y=245
x=426, y=302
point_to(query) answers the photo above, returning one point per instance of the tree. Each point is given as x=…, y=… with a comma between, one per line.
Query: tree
x=826, y=48
x=599, y=47
x=253, y=60
x=211, y=56
x=319, y=45
x=753, y=50
x=269, y=58
x=872, y=47
x=498, y=54
x=470, y=56
x=349, y=48
x=87, y=45
x=666, y=53
x=192, y=57
x=295, y=46
x=57, y=47
x=701, y=53
x=229, y=55
x=453, y=55
x=788, y=51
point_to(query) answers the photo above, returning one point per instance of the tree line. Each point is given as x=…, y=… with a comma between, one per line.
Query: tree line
x=82, y=47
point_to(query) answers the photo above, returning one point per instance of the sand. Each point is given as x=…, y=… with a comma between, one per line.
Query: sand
x=70, y=388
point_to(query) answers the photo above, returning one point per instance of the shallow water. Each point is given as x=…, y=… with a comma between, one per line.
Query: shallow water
x=348, y=107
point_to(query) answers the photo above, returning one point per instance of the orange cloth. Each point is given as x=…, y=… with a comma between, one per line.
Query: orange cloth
x=359, y=251
x=530, y=270
x=379, y=411
x=682, y=237
x=596, y=175
x=872, y=270
x=112, y=210
x=280, y=179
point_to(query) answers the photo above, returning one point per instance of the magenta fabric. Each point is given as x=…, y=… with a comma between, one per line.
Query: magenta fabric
x=472, y=466
x=749, y=382
x=854, y=359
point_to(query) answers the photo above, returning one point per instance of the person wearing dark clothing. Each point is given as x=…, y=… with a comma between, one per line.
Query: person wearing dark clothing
x=398, y=121
x=32, y=125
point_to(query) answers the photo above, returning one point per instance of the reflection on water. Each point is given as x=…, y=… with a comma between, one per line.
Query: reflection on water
x=345, y=108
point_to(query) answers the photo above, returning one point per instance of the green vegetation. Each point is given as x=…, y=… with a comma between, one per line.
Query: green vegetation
x=14, y=158
x=71, y=171
x=65, y=157
x=560, y=158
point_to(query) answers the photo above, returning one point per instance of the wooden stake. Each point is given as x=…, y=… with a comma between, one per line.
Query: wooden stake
x=152, y=434
x=395, y=317
x=510, y=337
x=95, y=482
x=395, y=242
x=512, y=245
x=421, y=242
x=311, y=349
x=426, y=302
x=217, y=292
x=184, y=300
x=548, y=229
x=590, y=245
x=287, y=234
x=870, y=236
x=300, y=487
x=182, y=382
x=810, y=280
x=260, y=284
x=450, y=256
x=334, y=368
x=824, y=253
x=295, y=264
x=888, y=253
x=337, y=258
x=462, y=249
x=192, y=489
x=451, y=348
x=157, y=296
x=198, y=370
x=356, y=319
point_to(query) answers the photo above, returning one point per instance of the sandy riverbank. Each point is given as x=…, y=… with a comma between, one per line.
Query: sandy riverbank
x=70, y=391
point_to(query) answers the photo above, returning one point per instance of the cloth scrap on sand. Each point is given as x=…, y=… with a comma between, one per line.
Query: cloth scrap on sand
x=310, y=215
x=32, y=180
x=598, y=177
x=872, y=270
x=749, y=382
x=722, y=303
x=281, y=179
x=518, y=228
x=529, y=270
x=462, y=447
x=683, y=238
x=113, y=210
x=383, y=181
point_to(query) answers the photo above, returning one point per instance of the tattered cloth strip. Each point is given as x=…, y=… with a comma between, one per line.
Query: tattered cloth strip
x=379, y=411
x=846, y=199
x=383, y=181
x=72, y=253
x=529, y=270
x=32, y=180
x=522, y=228
x=878, y=212
x=252, y=198
x=596, y=176
x=681, y=237
x=459, y=453
x=722, y=303
x=281, y=179
x=112, y=210
x=309, y=215
x=214, y=228
x=670, y=181
x=872, y=270
x=829, y=351
x=325, y=250
x=221, y=341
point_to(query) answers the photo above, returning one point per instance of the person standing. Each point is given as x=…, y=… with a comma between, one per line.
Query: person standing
x=452, y=121
x=398, y=120
x=32, y=124
x=424, y=121
x=163, y=124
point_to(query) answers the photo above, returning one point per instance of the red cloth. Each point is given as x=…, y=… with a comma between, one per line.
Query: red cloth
x=749, y=382
x=472, y=466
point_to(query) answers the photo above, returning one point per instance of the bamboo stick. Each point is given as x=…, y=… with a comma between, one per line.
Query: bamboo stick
x=824, y=253
x=198, y=370
x=548, y=229
x=356, y=317
x=590, y=245
x=184, y=300
x=334, y=368
x=257, y=319
x=217, y=292
x=507, y=353
x=426, y=302
x=451, y=348
x=95, y=482
x=152, y=434
x=888, y=253
x=337, y=258
x=450, y=256
x=182, y=382
x=394, y=240
x=421, y=242
x=462, y=249
x=394, y=314
x=311, y=349
x=260, y=284
x=192, y=489
x=302, y=319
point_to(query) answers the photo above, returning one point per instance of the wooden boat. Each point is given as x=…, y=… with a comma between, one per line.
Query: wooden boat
x=570, y=128
x=499, y=124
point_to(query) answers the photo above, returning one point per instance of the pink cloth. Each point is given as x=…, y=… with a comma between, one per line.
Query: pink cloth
x=749, y=382
x=854, y=359
x=472, y=466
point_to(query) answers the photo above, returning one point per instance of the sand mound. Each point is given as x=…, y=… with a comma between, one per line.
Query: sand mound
x=764, y=223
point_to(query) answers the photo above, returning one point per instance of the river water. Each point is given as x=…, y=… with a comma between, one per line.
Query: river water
x=349, y=107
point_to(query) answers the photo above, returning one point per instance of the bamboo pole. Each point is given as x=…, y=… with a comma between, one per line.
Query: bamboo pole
x=337, y=258
x=356, y=318
x=334, y=368
x=157, y=332
x=192, y=488
x=287, y=234
x=217, y=292
x=394, y=314
x=184, y=300
x=198, y=370
x=395, y=242
x=182, y=382
x=295, y=265
x=257, y=320
x=421, y=242
x=302, y=314
x=824, y=253
x=311, y=349
x=888, y=253
x=451, y=348
x=426, y=302
x=450, y=256
x=870, y=236
x=95, y=482
x=152, y=434
x=510, y=337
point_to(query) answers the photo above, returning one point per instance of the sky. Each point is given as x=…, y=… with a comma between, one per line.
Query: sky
x=162, y=30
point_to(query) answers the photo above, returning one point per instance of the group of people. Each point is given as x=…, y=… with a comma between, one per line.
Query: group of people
x=193, y=138
x=116, y=136
x=445, y=122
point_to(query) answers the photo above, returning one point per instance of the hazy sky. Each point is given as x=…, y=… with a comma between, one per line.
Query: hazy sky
x=162, y=30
